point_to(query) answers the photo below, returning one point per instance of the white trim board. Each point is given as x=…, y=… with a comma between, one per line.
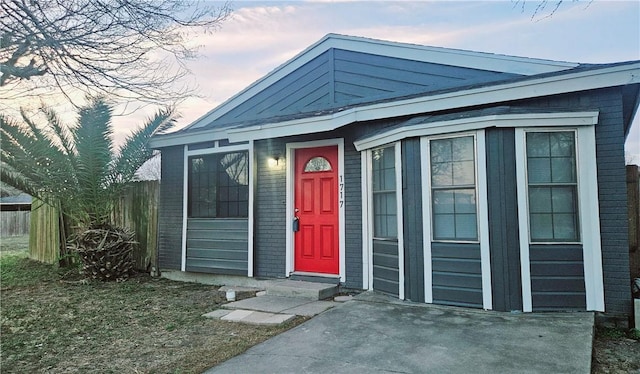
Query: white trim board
x=531, y=88
x=399, y=219
x=569, y=82
x=436, y=55
x=289, y=200
x=481, y=209
x=475, y=123
x=185, y=196
x=589, y=214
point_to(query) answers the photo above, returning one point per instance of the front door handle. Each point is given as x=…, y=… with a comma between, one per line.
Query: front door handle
x=296, y=224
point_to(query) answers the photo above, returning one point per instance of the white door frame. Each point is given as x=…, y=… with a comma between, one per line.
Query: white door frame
x=290, y=188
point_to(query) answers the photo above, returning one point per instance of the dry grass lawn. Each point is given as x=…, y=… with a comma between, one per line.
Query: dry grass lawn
x=51, y=322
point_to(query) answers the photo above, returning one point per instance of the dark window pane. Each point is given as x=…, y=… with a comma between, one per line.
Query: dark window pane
x=384, y=193
x=551, y=171
x=317, y=164
x=454, y=203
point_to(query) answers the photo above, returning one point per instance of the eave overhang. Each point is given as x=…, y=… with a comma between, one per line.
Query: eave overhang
x=618, y=75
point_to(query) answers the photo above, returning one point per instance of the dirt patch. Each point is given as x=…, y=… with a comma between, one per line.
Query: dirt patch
x=53, y=323
x=615, y=352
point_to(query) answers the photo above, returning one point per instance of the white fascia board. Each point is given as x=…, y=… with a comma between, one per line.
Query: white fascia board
x=476, y=123
x=448, y=56
x=182, y=138
x=594, y=79
x=435, y=55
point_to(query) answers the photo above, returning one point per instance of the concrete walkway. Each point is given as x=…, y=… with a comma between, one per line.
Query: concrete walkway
x=269, y=309
x=376, y=334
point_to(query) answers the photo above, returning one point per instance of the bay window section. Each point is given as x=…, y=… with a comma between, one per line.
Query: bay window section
x=219, y=185
x=385, y=216
x=552, y=186
x=453, y=189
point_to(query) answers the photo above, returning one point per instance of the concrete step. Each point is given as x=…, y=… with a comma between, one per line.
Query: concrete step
x=302, y=289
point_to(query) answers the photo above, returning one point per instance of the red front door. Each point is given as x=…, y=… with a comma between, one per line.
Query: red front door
x=316, y=206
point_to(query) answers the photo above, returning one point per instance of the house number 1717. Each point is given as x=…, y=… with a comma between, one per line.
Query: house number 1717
x=341, y=192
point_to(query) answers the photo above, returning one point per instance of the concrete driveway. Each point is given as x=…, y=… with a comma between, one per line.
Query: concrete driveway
x=375, y=334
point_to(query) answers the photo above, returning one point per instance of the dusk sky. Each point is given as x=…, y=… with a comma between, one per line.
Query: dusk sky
x=263, y=35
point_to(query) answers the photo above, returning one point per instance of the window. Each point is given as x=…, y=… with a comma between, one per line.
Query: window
x=317, y=164
x=453, y=189
x=219, y=185
x=385, y=221
x=552, y=186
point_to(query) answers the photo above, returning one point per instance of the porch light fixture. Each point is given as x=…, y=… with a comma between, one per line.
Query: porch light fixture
x=273, y=161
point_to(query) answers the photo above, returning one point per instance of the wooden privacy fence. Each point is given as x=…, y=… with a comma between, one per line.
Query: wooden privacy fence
x=14, y=223
x=137, y=209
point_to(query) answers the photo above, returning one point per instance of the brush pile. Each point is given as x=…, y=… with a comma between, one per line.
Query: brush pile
x=105, y=252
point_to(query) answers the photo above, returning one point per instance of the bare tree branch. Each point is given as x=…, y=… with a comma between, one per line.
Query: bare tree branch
x=542, y=6
x=126, y=49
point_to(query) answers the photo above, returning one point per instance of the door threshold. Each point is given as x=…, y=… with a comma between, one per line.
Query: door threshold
x=315, y=277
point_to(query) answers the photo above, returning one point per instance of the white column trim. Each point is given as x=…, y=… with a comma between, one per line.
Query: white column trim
x=590, y=218
x=426, y=219
x=250, y=249
x=483, y=218
x=400, y=219
x=367, y=255
x=185, y=206
x=523, y=219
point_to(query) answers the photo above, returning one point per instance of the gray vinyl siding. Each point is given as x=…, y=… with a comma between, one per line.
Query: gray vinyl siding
x=557, y=277
x=506, y=284
x=353, y=213
x=218, y=246
x=613, y=203
x=412, y=221
x=386, y=274
x=271, y=218
x=170, y=208
x=338, y=77
x=457, y=276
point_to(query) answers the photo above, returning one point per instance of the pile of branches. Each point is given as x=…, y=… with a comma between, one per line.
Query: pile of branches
x=105, y=252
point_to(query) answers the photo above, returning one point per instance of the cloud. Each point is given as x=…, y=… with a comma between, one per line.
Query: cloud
x=261, y=36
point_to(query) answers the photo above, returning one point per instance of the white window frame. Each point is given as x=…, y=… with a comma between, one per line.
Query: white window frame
x=588, y=213
x=367, y=217
x=482, y=213
x=217, y=148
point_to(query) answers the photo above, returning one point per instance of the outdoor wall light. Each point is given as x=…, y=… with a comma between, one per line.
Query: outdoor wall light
x=273, y=161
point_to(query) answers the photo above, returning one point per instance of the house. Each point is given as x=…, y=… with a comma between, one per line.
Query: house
x=436, y=175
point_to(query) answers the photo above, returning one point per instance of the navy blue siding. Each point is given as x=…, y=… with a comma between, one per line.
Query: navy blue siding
x=218, y=246
x=557, y=277
x=353, y=213
x=412, y=221
x=271, y=219
x=457, y=274
x=361, y=77
x=170, y=208
x=386, y=273
x=506, y=284
x=338, y=77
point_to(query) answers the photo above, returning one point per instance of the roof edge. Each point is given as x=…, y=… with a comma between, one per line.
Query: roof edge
x=437, y=55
